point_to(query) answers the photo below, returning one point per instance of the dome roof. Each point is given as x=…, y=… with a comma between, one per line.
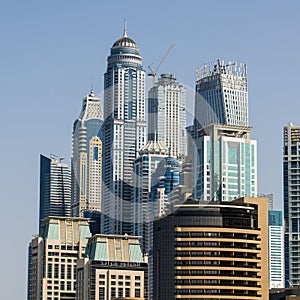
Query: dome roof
x=125, y=41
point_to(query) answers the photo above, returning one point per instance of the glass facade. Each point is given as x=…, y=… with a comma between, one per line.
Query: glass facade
x=55, y=188
x=226, y=164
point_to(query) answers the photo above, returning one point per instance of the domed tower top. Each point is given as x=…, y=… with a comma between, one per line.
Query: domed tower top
x=125, y=51
x=125, y=41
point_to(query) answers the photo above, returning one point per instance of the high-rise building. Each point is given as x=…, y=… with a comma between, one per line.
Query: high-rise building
x=183, y=191
x=144, y=167
x=276, y=250
x=113, y=267
x=221, y=94
x=291, y=197
x=87, y=157
x=55, y=188
x=209, y=250
x=164, y=180
x=226, y=163
x=167, y=114
x=124, y=131
x=53, y=256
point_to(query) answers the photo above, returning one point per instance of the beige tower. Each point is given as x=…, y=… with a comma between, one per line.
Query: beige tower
x=210, y=250
x=113, y=268
x=53, y=256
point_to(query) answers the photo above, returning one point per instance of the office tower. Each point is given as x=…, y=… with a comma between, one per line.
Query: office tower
x=124, y=131
x=55, y=188
x=276, y=250
x=291, y=197
x=221, y=94
x=87, y=157
x=144, y=167
x=183, y=191
x=190, y=141
x=212, y=251
x=226, y=163
x=167, y=114
x=113, y=268
x=53, y=257
x=164, y=180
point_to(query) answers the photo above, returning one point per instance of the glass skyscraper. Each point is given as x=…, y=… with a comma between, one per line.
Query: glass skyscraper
x=167, y=114
x=291, y=197
x=87, y=157
x=55, y=188
x=124, y=131
x=164, y=180
x=144, y=167
x=226, y=164
x=220, y=140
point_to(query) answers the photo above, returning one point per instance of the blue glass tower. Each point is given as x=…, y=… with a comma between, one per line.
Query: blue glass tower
x=164, y=180
x=55, y=188
x=124, y=132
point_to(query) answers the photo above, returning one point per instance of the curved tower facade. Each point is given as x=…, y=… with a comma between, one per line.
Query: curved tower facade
x=87, y=157
x=124, y=131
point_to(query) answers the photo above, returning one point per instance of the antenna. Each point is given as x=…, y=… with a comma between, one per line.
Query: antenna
x=124, y=31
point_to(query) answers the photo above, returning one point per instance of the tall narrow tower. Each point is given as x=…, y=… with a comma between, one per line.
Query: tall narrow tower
x=87, y=157
x=167, y=114
x=55, y=188
x=124, y=131
x=291, y=197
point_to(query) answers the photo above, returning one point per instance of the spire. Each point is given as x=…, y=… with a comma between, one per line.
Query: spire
x=92, y=92
x=124, y=32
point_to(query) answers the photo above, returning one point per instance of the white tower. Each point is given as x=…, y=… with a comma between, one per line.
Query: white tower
x=124, y=131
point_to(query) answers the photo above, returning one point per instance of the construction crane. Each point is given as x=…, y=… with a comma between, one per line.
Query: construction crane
x=154, y=73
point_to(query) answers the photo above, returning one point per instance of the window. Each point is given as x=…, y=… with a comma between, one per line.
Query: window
x=137, y=293
x=113, y=292
x=120, y=292
x=101, y=293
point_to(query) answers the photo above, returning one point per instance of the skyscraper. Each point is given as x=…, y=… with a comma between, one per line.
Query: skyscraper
x=276, y=250
x=87, y=157
x=221, y=94
x=144, y=167
x=226, y=163
x=212, y=251
x=124, y=131
x=164, y=180
x=55, y=188
x=167, y=114
x=291, y=197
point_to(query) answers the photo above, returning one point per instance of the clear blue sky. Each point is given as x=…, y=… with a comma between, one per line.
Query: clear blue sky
x=53, y=51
